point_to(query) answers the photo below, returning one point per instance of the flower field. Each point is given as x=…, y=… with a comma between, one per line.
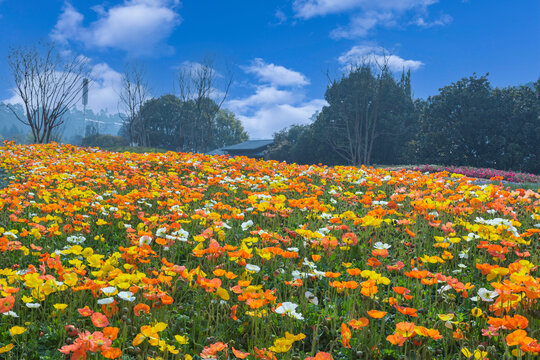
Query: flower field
x=481, y=173
x=187, y=256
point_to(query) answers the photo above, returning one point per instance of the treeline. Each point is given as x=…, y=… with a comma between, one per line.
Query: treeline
x=49, y=84
x=372, y=118
x=187, y=126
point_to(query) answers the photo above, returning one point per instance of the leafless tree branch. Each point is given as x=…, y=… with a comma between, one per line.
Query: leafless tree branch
x=47, y=84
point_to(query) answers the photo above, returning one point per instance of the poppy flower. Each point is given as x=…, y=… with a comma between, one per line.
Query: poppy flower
x=85, y=311
x=6, y=304
x=139, y=308
x=345, y=335
x=240, y=354
x=99, y=320
x=376, y=314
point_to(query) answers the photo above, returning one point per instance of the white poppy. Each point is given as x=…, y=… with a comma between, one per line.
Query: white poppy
x=126, y=295
x=108, y=290
x=253, y=268
x=11, y=313
x=487, y=295
x=289, y=309
x=161, y=231
x=380, y=245
x=105, y=301
x=245, y=225
x=145, y=240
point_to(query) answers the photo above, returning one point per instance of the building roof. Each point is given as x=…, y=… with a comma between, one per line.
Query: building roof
x=249, y=145
x=218, y=151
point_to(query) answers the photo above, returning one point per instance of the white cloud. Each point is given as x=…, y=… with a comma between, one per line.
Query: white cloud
x=139, y=27
x=104, y=88
x=442, y=21
x=68, y=25
x=267, y=120
x=365, y=15
x=14, y=99
x=271, y=107
x=360, y=25
x=280, y=16
x=193, y=67
x=275, y=74
x=264, y=96
x=311, y=8
x=377, y=54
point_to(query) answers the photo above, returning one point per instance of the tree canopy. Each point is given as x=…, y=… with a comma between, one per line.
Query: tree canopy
x=170, y=123
x=371, y=118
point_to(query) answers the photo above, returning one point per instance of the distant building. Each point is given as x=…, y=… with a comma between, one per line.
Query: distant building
x=251, y=148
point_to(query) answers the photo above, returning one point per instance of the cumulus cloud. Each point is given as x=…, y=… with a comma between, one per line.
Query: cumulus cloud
x=264, y=96
x=358, y=54
x=365, y=15
x=139, y=27
x=278, y=100
x=267, y=120
x=104, y=90
x=275, y=74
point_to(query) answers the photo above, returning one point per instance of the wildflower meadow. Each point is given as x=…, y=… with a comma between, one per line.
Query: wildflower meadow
x=108, y=255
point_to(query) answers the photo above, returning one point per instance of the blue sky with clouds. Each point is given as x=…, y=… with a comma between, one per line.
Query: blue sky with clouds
x=280, y=52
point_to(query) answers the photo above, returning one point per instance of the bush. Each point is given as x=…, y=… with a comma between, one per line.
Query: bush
x=104, y=141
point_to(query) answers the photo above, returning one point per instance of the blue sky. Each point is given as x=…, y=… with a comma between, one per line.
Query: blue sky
x=280, y=51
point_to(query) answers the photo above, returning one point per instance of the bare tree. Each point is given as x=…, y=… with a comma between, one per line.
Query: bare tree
x=133, y=95
x=47, y=84
x=206, y=90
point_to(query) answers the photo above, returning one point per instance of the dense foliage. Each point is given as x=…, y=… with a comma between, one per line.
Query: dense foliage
x=371, y=118
x=103, y=141
x=188, y=256
x=170, y=123
x=469, y=123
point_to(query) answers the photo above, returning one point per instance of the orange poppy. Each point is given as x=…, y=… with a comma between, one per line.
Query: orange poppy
x=358, y=324
x=141, y=308
x=396, y=339
x=240, y=354
x=376, y=314
x=6, y=304
x=345, y=335
x=99, y=320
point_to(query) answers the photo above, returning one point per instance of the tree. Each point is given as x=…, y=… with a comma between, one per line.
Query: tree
x=367, y=110
x=198, y=85
x=455, y=124
x=470, y=123
x=159, y=119
x=227, y=130
x=166, y=123
x=132, y=97
x=47, y=84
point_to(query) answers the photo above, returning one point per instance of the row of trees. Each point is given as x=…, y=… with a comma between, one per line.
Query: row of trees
x=194, y=121
x=471, y=123
x=371, y=118
x=49, y=85
x=169, y=123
